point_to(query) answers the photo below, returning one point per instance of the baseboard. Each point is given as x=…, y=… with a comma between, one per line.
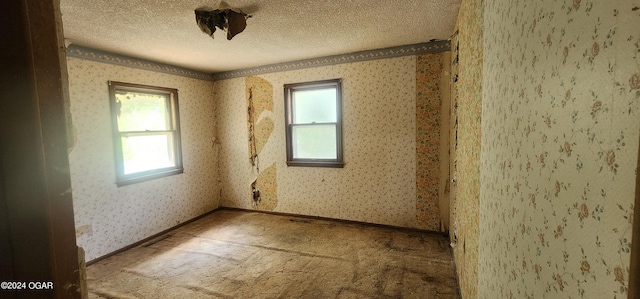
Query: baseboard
x=145, y=240
x=401, y=228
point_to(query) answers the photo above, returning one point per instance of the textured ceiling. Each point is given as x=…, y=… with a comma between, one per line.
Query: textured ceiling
x=279, y=30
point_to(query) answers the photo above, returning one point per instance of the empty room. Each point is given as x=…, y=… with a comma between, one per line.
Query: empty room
x=320, y=149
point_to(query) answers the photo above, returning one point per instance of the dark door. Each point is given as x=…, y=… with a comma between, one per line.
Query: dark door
x=38, y=252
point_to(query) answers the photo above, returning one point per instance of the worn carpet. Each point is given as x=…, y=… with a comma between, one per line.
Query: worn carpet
x=241, y=254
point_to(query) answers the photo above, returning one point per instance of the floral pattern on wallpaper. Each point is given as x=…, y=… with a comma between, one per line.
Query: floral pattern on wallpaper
x=109, y=217
x=560, y=140
x=378, y=181
x=428, y=108
x=467, y=89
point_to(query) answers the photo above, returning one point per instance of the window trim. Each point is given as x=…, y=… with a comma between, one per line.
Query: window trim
x=289, y=89
x=123, y=179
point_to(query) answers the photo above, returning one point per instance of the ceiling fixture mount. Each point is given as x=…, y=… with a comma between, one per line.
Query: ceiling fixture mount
x=232, y=20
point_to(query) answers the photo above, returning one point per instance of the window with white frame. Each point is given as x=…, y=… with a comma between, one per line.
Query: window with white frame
x=313, y=117
x=146, y=132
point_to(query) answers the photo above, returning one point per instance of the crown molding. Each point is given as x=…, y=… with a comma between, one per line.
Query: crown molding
x=116, y=59
x=416, y=49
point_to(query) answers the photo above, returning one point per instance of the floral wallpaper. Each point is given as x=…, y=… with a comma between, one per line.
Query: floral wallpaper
x=467, y=61
x=378, y=182
x=560, y=122
x=108, y=217
x=429, y=69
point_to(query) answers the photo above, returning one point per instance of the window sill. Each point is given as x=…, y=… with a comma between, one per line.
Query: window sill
x=147, y=177
x=316, y=164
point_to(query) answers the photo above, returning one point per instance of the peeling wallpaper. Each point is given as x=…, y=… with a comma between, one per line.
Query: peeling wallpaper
x=266, y=182
x=109, y=217
x=466, y=190
x=559, y=148
x=259, y=95
x=378, y=182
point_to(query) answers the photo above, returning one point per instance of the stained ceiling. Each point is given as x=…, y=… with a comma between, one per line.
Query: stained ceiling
x=278, y=31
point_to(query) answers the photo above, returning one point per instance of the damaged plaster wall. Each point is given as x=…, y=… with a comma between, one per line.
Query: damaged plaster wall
x=378, y=182
x=266, y=183
x=259, y=95
x=467, y=55
x=108, y=217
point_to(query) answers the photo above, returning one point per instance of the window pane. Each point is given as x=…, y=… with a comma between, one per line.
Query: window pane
x=314, y=142
x=318, y=105
x=142, y=112
x=147, y=152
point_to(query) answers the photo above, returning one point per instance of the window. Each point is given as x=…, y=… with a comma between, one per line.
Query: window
x=146, y=132
x=313, y=117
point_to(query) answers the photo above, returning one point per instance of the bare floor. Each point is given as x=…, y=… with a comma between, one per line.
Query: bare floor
x=239, y=254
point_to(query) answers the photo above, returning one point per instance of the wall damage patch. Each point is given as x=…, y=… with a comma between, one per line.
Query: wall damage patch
x=259, y=95
x=259, y=105
x=265, y=187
